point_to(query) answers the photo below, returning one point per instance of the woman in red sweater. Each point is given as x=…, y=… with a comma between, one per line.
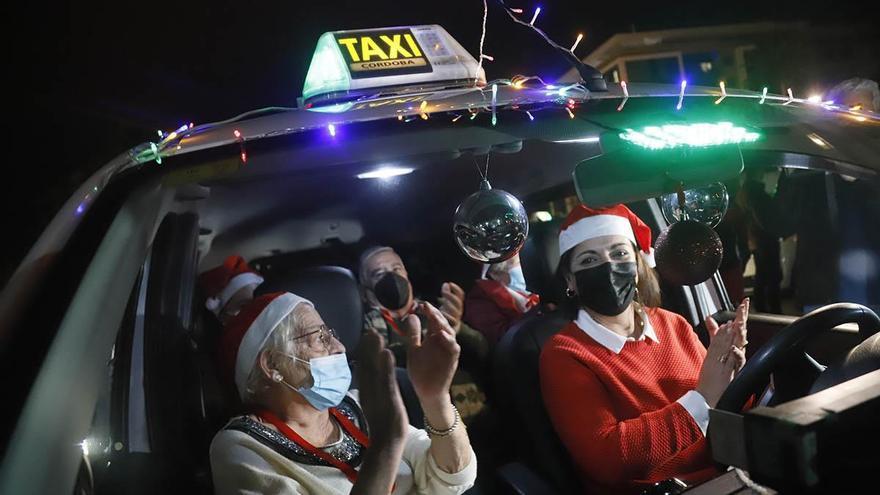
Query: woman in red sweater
x=627, y=385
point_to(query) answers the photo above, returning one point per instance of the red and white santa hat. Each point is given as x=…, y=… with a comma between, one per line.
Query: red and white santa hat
x=222, y=282
x=584, y=223
x=246, y=334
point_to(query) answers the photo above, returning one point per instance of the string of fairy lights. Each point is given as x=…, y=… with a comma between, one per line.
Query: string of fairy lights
x=564, y=96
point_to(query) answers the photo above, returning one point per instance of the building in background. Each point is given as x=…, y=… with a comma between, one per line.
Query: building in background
x=780, y=55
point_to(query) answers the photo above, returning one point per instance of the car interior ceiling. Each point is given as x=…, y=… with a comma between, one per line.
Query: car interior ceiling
x=236, y=211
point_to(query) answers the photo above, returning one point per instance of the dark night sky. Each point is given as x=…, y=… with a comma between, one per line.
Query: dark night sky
x=95, y=78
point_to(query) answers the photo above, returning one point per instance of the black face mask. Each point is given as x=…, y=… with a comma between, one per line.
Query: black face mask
x=392, y=291
x=607, y=289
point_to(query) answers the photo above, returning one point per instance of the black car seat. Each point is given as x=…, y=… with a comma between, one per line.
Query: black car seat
x=336, y=295
x=519, y=392
x=539, y=257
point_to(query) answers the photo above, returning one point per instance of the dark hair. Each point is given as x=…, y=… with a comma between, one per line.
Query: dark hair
x=648, y=286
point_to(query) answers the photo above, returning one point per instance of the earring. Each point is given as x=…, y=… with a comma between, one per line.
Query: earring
x=276, y=377
x=570, y=293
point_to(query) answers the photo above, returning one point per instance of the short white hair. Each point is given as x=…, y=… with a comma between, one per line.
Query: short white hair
x=363, y=276
x=280, y=342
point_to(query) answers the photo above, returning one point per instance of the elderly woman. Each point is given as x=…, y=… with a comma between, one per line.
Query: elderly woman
x=307, y=433
x=627, y=385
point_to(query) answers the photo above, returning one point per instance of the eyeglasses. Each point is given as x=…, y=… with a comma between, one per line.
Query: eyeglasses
x=325, y=334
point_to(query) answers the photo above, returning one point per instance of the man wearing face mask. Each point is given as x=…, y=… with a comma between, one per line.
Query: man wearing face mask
x=388, y=300
x=498, y=299
x=628, y=385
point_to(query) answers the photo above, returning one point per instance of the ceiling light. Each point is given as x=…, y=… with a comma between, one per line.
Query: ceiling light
x=385, y=173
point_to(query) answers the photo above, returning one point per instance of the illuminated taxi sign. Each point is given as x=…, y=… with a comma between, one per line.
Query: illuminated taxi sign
x=384, y=53
x=348, y=64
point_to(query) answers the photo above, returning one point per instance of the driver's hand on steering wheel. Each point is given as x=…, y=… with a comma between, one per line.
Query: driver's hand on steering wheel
x=725, y=355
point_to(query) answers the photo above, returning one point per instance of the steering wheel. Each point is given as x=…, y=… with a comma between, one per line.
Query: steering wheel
x=789, y=343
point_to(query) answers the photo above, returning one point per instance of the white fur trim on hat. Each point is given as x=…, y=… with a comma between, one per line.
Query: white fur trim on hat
x=258, y=333
x=649, y=257
x=593, y=227
x=213, y=305
x=216, y=304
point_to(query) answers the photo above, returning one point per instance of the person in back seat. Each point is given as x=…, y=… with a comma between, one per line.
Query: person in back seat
x=388, y=300
x=498, y=299
x=229, y=286
x=627, y=385
x=307, y=433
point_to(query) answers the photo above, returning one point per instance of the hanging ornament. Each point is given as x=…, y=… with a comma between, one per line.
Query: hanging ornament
x=687, y=253
x=491, y=225
x=706, y=205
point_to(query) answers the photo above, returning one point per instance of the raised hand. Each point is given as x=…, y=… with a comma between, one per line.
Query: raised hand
x=739, y=325
x=723, y=357
x=433, y=358
x=379, y=394
x=452, y=304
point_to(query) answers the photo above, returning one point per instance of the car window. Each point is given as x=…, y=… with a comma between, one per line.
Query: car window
x=109, y=432
x=810, y=238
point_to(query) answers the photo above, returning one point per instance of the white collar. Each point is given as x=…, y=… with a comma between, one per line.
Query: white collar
x=608, y=339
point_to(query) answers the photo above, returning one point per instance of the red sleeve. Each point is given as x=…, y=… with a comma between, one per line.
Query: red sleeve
x=484, y=315
x=604, y=448
x=690, y=334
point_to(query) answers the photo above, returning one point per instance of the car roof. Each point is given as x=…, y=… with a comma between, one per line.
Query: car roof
x=560, y=123
x=776, y=110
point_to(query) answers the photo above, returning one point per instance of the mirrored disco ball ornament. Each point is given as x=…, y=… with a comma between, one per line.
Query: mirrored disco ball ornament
x=490, y=225
x=706, y=205
x=687, y=253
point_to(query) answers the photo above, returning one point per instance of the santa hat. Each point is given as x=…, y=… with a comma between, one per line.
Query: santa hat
x=585, y=223
x=247, y=332
x=222, y=282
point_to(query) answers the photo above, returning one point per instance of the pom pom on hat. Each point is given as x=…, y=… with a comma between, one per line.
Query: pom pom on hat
x=222, y=282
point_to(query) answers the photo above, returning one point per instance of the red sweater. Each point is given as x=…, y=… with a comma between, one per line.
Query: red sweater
x=617, y=413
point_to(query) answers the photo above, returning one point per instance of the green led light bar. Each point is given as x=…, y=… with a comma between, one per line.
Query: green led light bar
x=689, y=135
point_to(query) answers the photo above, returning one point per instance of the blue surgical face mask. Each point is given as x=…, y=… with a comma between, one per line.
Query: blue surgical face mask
x=517, y=279
x=331, y=378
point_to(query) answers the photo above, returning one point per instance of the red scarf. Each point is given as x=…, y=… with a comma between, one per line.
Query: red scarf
x=500, y=294
x=390, y=320
x=347, y=425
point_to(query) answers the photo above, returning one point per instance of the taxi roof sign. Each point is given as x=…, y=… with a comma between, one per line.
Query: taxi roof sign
x=348, y=64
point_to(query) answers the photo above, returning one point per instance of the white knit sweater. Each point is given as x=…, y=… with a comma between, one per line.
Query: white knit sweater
x=243, y=465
